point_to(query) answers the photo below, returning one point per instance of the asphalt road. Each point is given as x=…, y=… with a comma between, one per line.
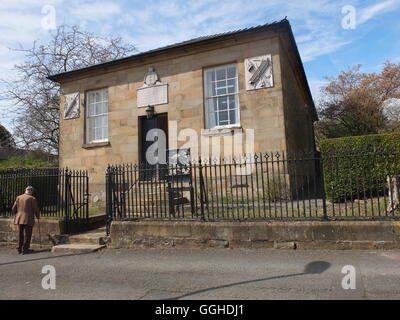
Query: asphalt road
x=201, y=274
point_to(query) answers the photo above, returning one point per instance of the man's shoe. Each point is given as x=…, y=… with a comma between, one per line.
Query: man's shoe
x=27, y=251
x=19, y=251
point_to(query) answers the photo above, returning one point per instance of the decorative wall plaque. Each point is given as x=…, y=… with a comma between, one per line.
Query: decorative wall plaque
x=153, y=92
x=259, y=72
x=71, y=106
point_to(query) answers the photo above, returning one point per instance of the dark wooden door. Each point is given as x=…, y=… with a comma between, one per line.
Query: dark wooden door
x=153, y=146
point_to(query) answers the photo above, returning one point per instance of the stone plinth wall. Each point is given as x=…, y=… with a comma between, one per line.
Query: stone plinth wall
x=50, y=231
x=290, y=235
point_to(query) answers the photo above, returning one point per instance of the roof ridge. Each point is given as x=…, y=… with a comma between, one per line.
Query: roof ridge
x=215, y=35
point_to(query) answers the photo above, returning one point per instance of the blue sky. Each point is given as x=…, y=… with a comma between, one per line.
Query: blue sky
x=325, y=46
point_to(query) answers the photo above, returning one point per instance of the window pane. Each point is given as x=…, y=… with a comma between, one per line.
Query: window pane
x=210, y=76
x=96, y=109
x=232, y=86
x=209, y=85
x=222, y=103
x=99, y=108
x=105, y=121
x=231, y=72
x=223, y=117
x=105, y=95
x=232, y=102
x=91, y=135
x=91, y=110
x=90, y=98
x=104, y=107
x=213, y=75
x=232, y=116
x=98, y=133
x=221, y=87
x=211, y=119
x=104, y=133
x=221, y=74
x=220, y=84
x=98, y=96
x=91, y=123
x=215, y=104
x=214, y=90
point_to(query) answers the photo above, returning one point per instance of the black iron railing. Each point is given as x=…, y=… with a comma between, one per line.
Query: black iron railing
x=267, y=186
x=60, y=193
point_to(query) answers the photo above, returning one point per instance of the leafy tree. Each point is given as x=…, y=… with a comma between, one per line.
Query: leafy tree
x=35, y=98
x=356, y=103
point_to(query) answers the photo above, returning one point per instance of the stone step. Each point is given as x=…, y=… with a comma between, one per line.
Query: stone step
x=76, y=248
x=87, y=238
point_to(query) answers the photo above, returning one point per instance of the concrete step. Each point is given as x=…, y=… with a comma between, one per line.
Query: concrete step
x=76, y=248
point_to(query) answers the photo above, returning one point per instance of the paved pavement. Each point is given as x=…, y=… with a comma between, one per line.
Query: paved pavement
x=178, y=273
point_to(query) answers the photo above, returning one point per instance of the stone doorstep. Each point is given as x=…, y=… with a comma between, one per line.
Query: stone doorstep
x=95, y=236
x=76, y=248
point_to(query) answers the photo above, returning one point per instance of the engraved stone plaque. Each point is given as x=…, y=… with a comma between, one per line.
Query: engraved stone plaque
x=153, y=92
x=153, y=95
x=71, y=106
x=259, y=72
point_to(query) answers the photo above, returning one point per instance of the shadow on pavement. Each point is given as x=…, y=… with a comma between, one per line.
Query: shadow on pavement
x=315, y=267
x=39, y=251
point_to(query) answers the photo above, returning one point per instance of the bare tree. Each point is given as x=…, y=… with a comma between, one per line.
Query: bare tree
x=6, y=139
x=35, y=99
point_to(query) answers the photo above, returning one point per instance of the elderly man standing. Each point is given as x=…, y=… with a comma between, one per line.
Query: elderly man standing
x=25, y=208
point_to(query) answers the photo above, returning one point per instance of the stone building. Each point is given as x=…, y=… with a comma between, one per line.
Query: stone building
x=215, y=85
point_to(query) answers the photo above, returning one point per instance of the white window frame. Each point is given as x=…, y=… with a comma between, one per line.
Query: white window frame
x=87, y=117
x=236, y=94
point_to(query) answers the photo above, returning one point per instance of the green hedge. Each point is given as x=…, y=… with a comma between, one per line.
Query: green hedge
x=356, y=167
x=33, y=159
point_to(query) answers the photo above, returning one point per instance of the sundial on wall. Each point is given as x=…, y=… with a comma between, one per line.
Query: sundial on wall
x=71, y=106
x=259, y=72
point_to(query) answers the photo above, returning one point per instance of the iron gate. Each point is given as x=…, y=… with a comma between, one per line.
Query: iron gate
x=61, y=193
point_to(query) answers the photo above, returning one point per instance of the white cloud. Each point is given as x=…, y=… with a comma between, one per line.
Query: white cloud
x=371, y=11
x=26, y=4
x=94, y=11
x=316, y=48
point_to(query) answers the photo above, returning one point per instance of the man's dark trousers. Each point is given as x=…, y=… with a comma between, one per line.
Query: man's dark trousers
x=25, y=235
